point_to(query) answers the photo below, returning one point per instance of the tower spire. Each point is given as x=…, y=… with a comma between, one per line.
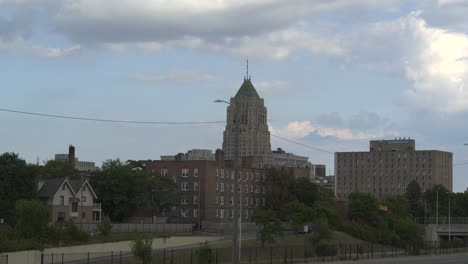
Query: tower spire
x=247, y=76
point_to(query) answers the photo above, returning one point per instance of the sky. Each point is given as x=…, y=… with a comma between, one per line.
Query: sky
x=334, y=74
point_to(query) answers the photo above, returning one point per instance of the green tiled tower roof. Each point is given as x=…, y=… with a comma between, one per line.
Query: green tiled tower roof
x=247, y=89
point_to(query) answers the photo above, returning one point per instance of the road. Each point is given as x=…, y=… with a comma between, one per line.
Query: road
x=445, y=259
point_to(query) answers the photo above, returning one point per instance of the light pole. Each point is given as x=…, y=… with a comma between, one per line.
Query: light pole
x=235, y=227
x=437, y=206
x=449, y=219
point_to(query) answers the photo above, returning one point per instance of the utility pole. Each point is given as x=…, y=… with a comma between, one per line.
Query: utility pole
x=450, y=226
x=235, y=218
x=81, y=202
x=437, y=206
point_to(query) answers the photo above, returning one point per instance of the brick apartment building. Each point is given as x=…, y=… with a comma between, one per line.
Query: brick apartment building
x=207, y=187
x=388, y=168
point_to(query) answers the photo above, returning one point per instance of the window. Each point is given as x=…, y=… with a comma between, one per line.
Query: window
x=62, y=199
x=251, y=188
x=257, y=190
x=195, y=212
x=195, y=186
x=232, y=175
x=185, y=186
x=63, y=187
x=257, y=176
x=195, y=199
x=251, y=175
x=247, y=201
x=195, y=173
x=217, y=199
x=183, y=200
x=232, y=213
x=61, y=217
x=222, y=187
x=222, y=174
x=184, y=173
x=164, y=172
x=246, y=214
x=84, y=199
x=183, y=212
x=232, y=200
x=217, y=172
x=257, y=202
x=74, y=207
x=217, y=212
x=221, y=213
x=216, y=186
x=246, y=188
x=221, y=200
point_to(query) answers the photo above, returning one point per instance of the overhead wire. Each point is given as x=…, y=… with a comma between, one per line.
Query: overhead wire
x=149, y=123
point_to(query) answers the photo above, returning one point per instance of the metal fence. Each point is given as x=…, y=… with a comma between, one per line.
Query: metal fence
x=442, y=220
x=251, y=255
x=3, y=259
x=143, y=228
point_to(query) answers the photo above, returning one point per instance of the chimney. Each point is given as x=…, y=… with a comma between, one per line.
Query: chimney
x=71, y=154
x=219, y=155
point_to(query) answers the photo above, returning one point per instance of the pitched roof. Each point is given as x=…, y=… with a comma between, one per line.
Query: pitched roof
x=76, y=185
x=247, y=89
x=50, y=187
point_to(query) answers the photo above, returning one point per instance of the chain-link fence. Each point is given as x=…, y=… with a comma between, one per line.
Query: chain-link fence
x=268, y=254
x=143, y=228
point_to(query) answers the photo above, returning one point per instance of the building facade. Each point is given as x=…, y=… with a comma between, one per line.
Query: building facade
x=248, y=111
x=193, y=154
x=388, y=168
x=81, y=166
x=207, y=188
x=281, y=158
x=69, y=199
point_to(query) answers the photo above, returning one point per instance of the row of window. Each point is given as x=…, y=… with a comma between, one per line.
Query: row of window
x=185, y=186
x=183, y=172
x=227, y=213
x=185, y=199
x=258, y=176
x=220, y=187
x=220, y=200
x=185, y=212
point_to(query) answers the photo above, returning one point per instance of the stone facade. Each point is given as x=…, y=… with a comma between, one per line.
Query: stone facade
x=248, y=110
x=388, y=168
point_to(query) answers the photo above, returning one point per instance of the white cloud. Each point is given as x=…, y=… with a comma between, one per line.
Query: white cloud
x=298, y=130
x=452, y=2
x=178, y=76
x=430, y=58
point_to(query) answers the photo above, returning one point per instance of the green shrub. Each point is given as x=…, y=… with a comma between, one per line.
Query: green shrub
x=141, y=248
x=326, y=249
x=205, y=254
x=105, y=226
x=72, y=233
x=457, y=242
x=19, y=245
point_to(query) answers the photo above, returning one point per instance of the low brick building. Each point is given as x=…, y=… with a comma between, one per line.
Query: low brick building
x=207, y=187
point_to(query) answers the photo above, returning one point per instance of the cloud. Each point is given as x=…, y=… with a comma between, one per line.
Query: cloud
x=452, y=2
x=428, y=57
x=302, y=129
x=178, y=76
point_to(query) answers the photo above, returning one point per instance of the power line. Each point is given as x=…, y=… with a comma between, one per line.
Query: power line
x=304, y=145
x=110, y=120
x=149, y=123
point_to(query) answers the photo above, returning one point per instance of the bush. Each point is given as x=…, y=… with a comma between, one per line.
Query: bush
x=105, y=226
x=457, y=242
x=326, y=249
x=19, y=245
x=205, y=254
x=141, y=248
x=73, y=234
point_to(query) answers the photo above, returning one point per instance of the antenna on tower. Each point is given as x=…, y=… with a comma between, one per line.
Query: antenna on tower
x=247, y=76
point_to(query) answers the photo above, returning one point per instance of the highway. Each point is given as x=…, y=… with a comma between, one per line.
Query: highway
x=439, y=259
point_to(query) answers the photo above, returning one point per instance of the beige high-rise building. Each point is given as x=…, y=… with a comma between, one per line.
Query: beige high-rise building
x=253, y=127
x=388, y=168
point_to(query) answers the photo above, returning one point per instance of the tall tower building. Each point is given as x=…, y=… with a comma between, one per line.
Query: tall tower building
x=252, y=117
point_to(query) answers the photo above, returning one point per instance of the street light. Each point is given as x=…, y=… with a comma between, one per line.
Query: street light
x=437, y=205
x=235, y=226
x=449, y=219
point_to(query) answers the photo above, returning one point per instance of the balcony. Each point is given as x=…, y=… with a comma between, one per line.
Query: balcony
x=97, y=207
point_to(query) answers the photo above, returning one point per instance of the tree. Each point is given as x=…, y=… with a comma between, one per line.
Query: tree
x=32, y=218
x=105, y=226
x=298, y=213
x=430, y=196
x=18, y=180
x=281, y=190
x=270, y=225
x=414, y=196
x=124, y=187
x=363, y=207
x=58, y=169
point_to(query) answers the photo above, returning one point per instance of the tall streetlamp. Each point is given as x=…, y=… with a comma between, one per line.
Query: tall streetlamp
x=437, y=206
x=235, y=226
